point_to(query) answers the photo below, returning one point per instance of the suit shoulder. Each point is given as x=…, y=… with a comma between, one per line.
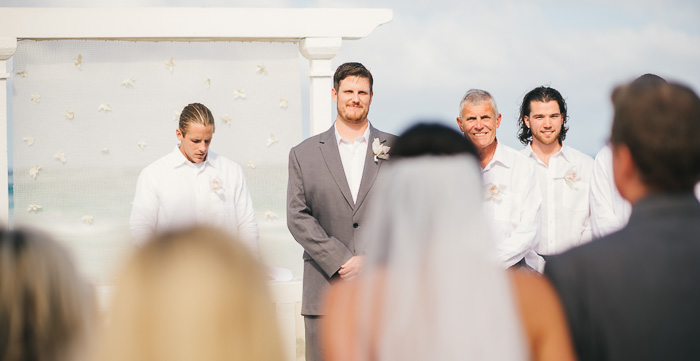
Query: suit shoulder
x=308, y=142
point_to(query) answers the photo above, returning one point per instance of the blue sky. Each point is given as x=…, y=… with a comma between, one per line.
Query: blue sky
x=432, y=52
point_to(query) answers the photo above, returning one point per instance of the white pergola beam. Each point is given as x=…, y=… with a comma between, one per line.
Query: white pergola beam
x=189, y=23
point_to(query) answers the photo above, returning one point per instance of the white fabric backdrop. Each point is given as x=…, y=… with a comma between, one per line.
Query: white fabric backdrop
x=97, y=112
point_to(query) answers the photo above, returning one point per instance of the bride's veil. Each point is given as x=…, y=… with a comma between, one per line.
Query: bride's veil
x=445, y=297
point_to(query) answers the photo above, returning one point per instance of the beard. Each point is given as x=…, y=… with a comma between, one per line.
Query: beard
x=547, y=140
x=353, y=117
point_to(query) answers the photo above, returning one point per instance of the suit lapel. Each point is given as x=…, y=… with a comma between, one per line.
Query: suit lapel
x=331, y=156
x=371, y=168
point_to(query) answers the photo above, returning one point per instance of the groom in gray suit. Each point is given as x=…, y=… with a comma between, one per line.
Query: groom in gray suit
x=330, y=177
x=635, y=294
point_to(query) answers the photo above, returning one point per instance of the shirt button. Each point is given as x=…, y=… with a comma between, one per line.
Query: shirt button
x=355, y=225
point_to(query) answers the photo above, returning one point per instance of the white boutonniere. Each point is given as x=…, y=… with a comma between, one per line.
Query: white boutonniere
x=380, y=150
x=571, y=178
x=493, y=192
x=217, y=186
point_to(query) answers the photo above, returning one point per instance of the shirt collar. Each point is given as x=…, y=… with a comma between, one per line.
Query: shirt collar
x=339, y=139
x=564, y=152
x=501, y=156
x=177, y=159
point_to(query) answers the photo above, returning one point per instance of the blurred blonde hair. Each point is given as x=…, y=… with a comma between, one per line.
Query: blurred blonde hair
x=46, y=309
x=192, y=295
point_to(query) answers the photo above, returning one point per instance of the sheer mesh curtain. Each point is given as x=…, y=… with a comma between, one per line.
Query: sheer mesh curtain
x=89, y=115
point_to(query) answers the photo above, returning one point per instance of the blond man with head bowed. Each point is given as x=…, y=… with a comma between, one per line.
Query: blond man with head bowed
x=193, y=185
x=194, y=294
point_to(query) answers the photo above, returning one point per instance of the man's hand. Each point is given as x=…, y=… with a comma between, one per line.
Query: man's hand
x=351, y=268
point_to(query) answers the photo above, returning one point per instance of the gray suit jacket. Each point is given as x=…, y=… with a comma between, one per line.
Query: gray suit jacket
x=321, y=214
x=635, y=294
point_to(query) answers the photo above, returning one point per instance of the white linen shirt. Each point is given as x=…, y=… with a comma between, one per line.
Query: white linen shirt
x=609, y=211
x=173, y=193
x=352, y=155
x=564, y=186
x=512, y=201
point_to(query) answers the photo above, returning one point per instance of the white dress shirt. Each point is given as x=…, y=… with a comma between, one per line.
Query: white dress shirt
x=564, y=186
x=352, y=155
x=512, y=201
x=173, y=193
x=609, y=211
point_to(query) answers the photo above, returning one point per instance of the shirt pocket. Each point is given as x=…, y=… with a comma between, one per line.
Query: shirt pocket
x=576, y=198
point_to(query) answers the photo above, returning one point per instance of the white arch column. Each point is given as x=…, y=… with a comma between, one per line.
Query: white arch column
x=7, y=49
x=320, y=52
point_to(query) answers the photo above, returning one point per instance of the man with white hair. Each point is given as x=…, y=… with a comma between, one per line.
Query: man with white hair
x=512, y=196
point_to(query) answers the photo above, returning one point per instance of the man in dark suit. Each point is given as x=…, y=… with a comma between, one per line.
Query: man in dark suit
x=635, y=294
x=330, y=177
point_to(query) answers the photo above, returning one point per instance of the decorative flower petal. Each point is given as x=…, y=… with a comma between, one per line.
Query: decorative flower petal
x=22, y=74
x=69, y=114
x=78, y=62
x=60, y=156
x=105, y=150
x=129, y=82
x=260, y=69
x=36, y=98
x=104, y=108
x=226, y=119
x=176, y=116
x=88, y=219
x=239, y=94
x=170, y=64
x=251, y=164
x=34, y=171
x=284, y=103
x=272, y=140
x=142, y=144
x=34, y=208
x=29, y=140
x=270, y=215
x=208, y=81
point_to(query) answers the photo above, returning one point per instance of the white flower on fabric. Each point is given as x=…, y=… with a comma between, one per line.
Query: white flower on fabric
x=142, y=144
x=36, y=98
x=226, y=119
x=176, y=115
x=35, y=208
x=129, y=82
x=239, y=94
x=272, y=140
x=170, y=64
x=571, y=178
x=22, y=74
x=270, y=215
x=380, y=150
x=69, y=114
x=284, y=103
x=104, y=108
x=88, y=219
x=260, y=69
x=60, y=156
x=105, y=150
x=34, y=171
x=217, y=186
x=493, y=192
x=78, y=62
x=208, y=81
x=251, y=164
x=29, y=140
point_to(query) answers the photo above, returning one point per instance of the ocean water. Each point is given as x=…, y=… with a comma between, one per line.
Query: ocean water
x=67, y=195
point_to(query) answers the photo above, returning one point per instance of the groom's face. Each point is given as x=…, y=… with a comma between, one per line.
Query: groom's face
x=353, y=98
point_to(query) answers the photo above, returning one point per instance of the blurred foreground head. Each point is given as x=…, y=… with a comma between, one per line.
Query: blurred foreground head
x=658, y=125
x=46, y=309
x=192, y=295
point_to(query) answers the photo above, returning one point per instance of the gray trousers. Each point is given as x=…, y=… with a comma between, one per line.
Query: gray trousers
x=314, y=351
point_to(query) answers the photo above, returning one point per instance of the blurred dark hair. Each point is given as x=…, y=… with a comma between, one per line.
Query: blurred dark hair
x=543, y=94
x=431, y=139
x=351, y=69
x=660, y=124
